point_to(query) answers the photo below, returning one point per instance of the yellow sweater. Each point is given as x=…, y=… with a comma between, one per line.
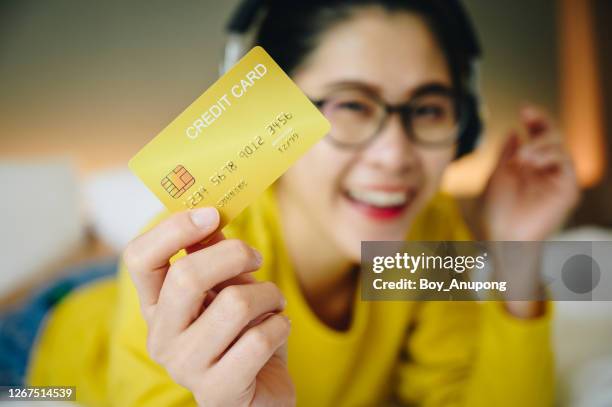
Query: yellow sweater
x=427, y=353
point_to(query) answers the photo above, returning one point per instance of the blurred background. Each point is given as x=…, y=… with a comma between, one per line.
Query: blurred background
x=85, y=84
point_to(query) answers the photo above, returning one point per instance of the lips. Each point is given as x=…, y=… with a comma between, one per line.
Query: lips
x=380, y=202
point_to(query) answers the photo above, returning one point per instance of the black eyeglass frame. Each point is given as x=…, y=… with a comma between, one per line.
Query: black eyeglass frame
x=405, y=109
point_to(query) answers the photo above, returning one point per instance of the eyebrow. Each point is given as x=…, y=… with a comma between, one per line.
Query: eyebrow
x=426, y=88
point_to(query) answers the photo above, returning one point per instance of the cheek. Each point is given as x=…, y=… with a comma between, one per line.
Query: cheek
x=315, y=177
x=434, y=163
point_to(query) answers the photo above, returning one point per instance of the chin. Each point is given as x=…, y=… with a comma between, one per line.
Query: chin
x=350, y=238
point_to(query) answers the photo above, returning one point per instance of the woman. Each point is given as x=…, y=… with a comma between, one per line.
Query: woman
x=212, y=325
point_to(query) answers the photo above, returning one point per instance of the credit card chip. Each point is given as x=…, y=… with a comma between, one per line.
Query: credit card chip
x=177, y=181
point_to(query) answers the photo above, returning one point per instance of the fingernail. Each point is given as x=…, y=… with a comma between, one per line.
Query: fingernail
x=258, y=258
x=204, y=218
x=524, y=155
x=530, y=112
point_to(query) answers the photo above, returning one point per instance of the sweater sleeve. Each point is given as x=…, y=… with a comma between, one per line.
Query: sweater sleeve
x=471, y=354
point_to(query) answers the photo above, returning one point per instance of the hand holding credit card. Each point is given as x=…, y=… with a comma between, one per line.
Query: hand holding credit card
x=233, y=141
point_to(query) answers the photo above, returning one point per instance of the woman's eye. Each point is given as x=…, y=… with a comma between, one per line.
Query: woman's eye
x=430, y=112
x=354, y=106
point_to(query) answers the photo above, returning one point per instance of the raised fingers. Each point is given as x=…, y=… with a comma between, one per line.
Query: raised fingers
x=147, y=256
x=243, y=361
x=537, y=121
x=233, y=310
x=191, y=277
x=543, y=155
x=544, y=147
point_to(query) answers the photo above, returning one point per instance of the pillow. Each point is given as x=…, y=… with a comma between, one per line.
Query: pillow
x=118, y=206
x=41, y=220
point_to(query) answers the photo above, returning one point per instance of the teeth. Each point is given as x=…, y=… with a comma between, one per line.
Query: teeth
x=379, y=198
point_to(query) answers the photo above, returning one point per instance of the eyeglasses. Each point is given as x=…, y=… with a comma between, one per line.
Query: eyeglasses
x=432, y=118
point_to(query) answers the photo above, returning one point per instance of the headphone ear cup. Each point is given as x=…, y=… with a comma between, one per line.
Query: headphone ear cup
x=470, y=134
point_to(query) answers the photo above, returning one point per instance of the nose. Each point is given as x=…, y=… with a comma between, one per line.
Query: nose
x=392, y=150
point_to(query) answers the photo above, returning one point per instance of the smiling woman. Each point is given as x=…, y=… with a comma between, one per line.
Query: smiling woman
x=210, y=325
x=359, y=57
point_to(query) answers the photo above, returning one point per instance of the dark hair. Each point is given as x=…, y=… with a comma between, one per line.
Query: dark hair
x=291, y=30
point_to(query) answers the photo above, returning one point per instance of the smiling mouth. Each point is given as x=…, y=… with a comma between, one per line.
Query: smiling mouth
x=380, y=203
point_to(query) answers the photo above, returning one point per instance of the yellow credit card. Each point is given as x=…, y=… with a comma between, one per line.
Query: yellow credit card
x=233, y=142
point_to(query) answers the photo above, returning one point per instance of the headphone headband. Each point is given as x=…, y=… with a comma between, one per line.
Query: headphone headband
x=243, y=16
x=452, y=10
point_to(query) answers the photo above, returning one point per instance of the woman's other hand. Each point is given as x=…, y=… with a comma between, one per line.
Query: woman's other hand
x=533, y=187
x=530, y=193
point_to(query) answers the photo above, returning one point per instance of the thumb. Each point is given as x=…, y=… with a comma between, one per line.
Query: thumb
x=510, y=148
x=282, y=352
